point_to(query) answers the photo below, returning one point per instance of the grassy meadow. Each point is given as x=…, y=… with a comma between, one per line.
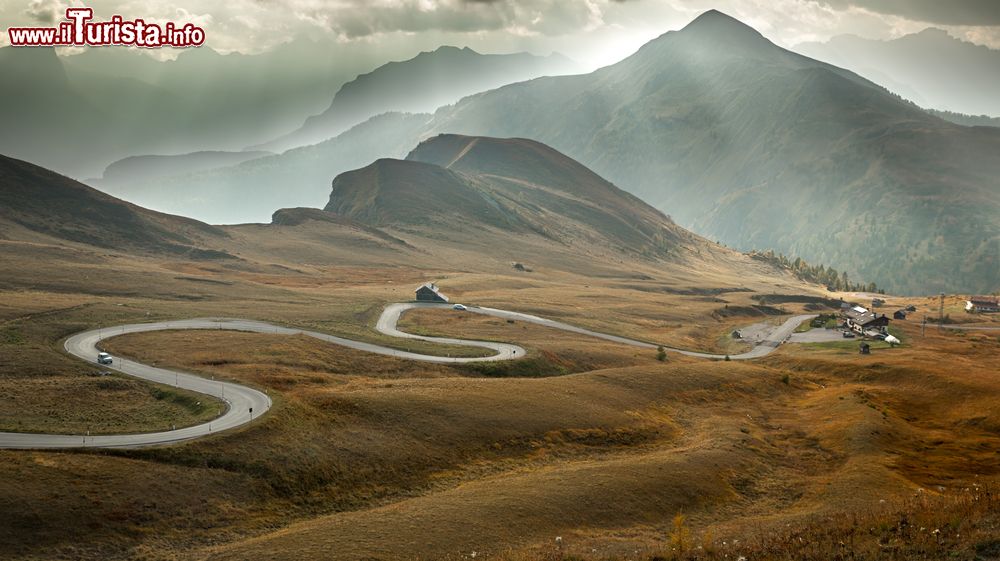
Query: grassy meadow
x=599, y=444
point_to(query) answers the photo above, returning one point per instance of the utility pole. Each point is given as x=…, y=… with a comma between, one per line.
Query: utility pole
x=941, y=313
x=923, y=326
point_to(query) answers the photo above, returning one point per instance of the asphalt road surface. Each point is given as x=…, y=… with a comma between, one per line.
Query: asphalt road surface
x=819, y=335
x=246, y=404
x=965, y=327
x=764, y=347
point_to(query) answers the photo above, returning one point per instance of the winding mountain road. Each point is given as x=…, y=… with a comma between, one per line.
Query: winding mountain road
x=243, y=404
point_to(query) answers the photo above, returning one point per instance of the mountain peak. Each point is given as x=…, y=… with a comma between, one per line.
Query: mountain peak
x=935, y=34
x=715, y=22
x=450, y=50
x=713, y=15
x=711, y=35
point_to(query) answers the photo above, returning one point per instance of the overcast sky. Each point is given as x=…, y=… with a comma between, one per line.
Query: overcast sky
x=593, y=32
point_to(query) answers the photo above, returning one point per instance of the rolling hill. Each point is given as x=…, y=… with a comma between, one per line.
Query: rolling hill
x=455, y=187
x=42, y=206
x=483, y=201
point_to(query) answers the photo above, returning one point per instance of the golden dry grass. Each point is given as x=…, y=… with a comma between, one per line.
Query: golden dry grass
x=838, y=439
x=958, y=523
x=43, y=389
x=373, y=457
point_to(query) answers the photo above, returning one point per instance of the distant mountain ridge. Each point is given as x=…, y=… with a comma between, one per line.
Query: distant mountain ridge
x=419, y=85
x=737, y=139
x=252, y=190
x=127, y=171
x=930, y=68
x=966, y=120
x=77, y=114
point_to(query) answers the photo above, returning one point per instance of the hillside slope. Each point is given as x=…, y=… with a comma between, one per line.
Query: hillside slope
x=41, y=205
x=456, y=187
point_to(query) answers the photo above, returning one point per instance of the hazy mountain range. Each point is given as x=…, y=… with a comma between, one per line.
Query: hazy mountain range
x=732, y=136
x=423, y=83
x=122, y=103
x=135, y=170
x=419, y=85
x=739, y=140
x=254, y=189
x=930, y=68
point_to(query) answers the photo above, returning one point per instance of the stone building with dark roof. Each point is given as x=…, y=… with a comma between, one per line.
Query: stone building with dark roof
x=430, y=293
x=866, y=322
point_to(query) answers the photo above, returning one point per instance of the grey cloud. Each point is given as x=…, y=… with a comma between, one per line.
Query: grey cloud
x=551, y=17
x=410, y=18
x=45, y=11
x=945, y=12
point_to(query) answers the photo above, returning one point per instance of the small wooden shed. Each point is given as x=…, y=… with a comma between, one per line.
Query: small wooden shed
x=429, y=293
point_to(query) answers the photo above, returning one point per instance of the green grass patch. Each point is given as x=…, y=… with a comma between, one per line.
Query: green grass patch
x=367, y=334
x=195, y=404
x=822, y=321
x=11, y=335
x=899, y=334
x=804, y=326
x=848, y=345
x=529, y=367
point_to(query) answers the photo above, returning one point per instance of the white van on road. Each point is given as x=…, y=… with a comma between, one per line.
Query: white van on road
x=104, y=358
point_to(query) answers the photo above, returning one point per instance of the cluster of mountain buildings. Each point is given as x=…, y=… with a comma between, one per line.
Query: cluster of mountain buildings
x=982, y=305
x=865, y=322
x=868, y=322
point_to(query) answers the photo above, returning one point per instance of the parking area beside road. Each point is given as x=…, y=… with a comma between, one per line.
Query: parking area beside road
x=818, y=335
